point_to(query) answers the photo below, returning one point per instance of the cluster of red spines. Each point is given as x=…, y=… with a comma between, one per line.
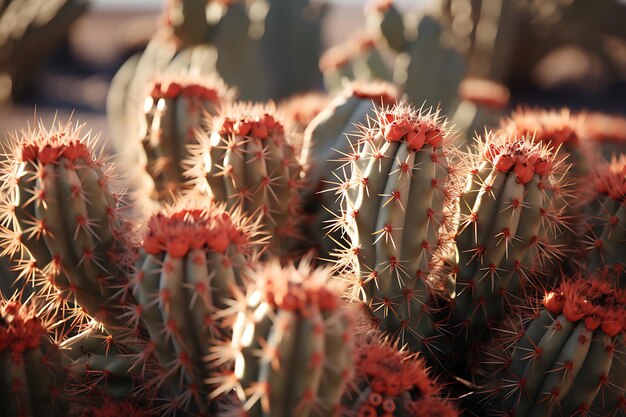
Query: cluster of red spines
x=297, y=290
x=259, y=126
x=519, y=155
x=391, y=374
x=601, y=127
x=50, y=149
x=211, y=89
x=553, y=127
x=303, y=108
x=417, y=129
x=610, y=178
x=392, y=371
x=187, y=229
x=594, y=301
x=380, y=92
x=20, y=328
x=484, y=92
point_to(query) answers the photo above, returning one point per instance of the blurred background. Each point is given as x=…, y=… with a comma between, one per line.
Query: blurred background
x=68, y=67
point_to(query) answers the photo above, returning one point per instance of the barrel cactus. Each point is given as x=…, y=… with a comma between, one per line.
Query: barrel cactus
x=33, y=376
x=174, y=110
x=64, y=222
x=193, y=257
x=392, y=382
x=510, y=218
x=394, y=206
x=292, y=344
x=568, y=357
x=604, y=232
x=246, y=160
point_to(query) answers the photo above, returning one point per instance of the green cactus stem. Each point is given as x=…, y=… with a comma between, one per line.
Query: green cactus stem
x=173, y=111
x=510, y=217
x=32, y=376
x=569, y=358
x=192, y=259
x=246, y=160
x=292, y=344
x=64, y=223
x=395, y=204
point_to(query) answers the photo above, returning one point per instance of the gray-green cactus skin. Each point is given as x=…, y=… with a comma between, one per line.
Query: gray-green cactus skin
x=394, y=207
x=174, y=110
x=65, y=224
x=435, y=71
x=510, y=216
x=247, y=162
x=326, y=153
x=193, y=259
x=426, y=69
x=567, y=359
x=604, y=230
x=32, y=376
x=306, y=336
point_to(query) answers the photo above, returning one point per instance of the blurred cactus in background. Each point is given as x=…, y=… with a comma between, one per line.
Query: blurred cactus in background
x=29, y=31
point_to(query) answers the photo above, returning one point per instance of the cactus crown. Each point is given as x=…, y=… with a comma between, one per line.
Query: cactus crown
x=519, y=154
x=610, y=178
x=392, y=371
x=416, y=127
x=250, y=120
x=297, y=289
x=379, y=92
x=188, y=225
x=550, y=126
x=484, y=93
x=212, y=89
x=20, y=328
x=48, y=146
x=594, y=301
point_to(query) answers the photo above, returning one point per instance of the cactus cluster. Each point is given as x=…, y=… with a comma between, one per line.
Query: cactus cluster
x=347, y=253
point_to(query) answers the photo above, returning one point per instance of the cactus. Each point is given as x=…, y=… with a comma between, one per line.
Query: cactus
x=247, y=161
x=31, y=374
x=173, y=111
x=193, y=257
x=292, y=344
x=510, y=216
x=326, y=151
x=299, y=111
x=559, y=129
x=568, y=358
x=605, y=133
x=391, y=382
x=31, y=31
x=394, y=205
x=605, y=231
x=482, y=105
x=63, y=223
